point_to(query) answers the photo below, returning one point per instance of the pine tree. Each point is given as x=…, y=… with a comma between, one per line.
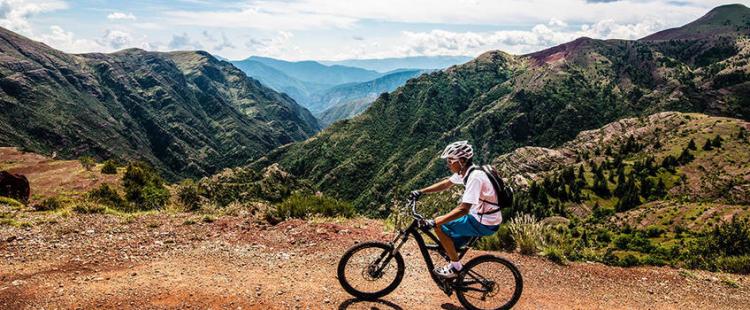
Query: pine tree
x=717, y=141
x=685, y=157
x=629, y=198
x=660, y=191
x=646, y=187
x=600, y=186
x=657, y=145
x=708, y=146
x=621, y=183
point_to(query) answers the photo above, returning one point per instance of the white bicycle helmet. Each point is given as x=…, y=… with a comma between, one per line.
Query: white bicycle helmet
x=459, y=149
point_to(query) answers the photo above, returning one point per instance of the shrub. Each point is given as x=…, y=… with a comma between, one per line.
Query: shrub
x=300, y=205
x=555, y=254
x=629, y=260
x=501, y=240
x=86, y=207
x=189, y=195
x=107, y=195
x=735, y=264
x=87, y=162
x=49, y=204
x=527, y=233
x=109, y=167
x=654, y=231
x=144, y=187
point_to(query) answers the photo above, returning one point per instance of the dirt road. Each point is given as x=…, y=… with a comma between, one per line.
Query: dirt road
x=179, y=261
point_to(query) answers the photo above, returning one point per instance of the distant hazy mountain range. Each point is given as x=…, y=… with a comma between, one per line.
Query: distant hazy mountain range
x=390, y=64
x=334, y=91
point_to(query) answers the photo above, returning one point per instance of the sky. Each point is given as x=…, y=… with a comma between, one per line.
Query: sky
x=336, y=29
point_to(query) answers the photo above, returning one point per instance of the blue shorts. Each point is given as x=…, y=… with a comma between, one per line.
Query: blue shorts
x=464, y=228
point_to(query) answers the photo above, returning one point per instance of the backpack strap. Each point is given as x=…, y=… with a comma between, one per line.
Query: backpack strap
x=495, y=186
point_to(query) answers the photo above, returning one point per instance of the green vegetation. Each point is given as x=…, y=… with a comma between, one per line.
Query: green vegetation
x=109, y=167
x=300, y=205
x=87, y=162
x=144, y=188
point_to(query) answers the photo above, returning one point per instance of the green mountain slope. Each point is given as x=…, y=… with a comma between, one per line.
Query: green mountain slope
x=501, y=102
x=186, y=113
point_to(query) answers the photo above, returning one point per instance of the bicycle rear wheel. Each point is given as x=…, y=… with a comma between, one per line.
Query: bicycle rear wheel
x=369, y=271
x=489, y=282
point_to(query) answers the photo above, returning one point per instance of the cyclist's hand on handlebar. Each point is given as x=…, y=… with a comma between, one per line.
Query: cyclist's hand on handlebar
x=414, y=195
x=426, y=224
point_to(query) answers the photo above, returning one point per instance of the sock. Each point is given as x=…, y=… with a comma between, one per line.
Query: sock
x=457, y=265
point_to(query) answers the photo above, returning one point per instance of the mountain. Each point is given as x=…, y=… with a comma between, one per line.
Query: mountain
x=186, y=113
x=725, y=20
x=501, y=102
x=348, y=100
x=301, y=91
x=391, y=64
x=315, y=72
x=318, y=87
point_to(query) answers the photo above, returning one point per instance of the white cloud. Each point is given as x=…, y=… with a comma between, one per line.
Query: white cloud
x=440, y=42
x=14, y=14
x=116, y=39
x=260, y=17
x=120, y=15
x=306, y=14
x=66, y=41
x=272, y=46
x=184, y=42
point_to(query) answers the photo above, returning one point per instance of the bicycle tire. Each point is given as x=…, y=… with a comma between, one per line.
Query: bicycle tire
x=491, y=258
x=341, y=272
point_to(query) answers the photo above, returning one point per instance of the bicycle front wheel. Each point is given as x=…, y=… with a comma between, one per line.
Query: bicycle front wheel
x=369, y=271
x=489, y=282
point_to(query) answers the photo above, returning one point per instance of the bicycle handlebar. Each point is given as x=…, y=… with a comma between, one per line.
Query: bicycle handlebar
x=412, y=204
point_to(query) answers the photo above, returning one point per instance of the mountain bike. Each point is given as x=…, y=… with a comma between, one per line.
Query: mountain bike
x=371, y=270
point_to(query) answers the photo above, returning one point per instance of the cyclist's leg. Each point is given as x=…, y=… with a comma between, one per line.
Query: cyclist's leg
x=454, y=234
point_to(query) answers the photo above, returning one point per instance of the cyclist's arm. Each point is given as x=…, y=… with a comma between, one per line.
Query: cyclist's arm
x=437, y=187
x=457, y=212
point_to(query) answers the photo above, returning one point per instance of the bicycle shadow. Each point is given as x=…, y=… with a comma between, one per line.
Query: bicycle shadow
x=369, y=304
x=384, y=304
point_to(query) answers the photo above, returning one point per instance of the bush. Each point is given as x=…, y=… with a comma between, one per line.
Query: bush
x=629, y=260
x=144, y=187
x=87, y=162
x=49, y=204
x=735, y=264
x=107, y=195
x=303, y=205
x=555, y=254
x=109, y=167
x=189, y=194
x=654, y=231
x=86, y=207
x=501, y=240
x=527, y=233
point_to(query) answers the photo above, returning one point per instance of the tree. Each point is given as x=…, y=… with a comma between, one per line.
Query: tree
x=691, y=145
x=717, y=141
x=109, y=167
x=629, y=198
x=600, y=186
x=708, y=146
x=646, y=187
x=685, y=157
x=660, y=191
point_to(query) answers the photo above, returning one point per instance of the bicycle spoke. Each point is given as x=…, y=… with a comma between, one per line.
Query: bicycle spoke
x=488, y=285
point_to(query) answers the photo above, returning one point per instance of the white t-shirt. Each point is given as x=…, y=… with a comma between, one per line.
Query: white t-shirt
x=478, y=188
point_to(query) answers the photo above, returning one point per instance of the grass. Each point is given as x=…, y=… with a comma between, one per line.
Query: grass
x=10, y=202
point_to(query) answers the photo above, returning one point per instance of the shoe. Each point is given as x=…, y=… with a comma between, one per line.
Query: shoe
x=447, y=271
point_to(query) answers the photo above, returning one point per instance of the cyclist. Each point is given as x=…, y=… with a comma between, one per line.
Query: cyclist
x=477, y=214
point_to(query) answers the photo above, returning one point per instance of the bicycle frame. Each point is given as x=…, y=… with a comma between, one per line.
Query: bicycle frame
x=414, y=230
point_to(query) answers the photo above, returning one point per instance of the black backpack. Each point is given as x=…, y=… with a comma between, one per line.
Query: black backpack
x=503, y=191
